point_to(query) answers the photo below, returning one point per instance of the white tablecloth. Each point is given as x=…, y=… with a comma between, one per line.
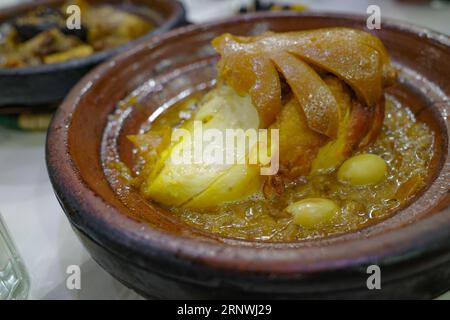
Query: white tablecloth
x=34, y=217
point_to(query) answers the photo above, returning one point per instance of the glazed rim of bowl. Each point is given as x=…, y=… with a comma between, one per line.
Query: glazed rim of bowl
x=383, y=242
x=177, y=14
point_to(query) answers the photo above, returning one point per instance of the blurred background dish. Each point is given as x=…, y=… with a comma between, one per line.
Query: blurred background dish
x=42, y=35
x=33, y=82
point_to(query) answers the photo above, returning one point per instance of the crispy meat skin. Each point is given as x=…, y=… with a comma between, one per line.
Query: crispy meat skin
x=359, y=59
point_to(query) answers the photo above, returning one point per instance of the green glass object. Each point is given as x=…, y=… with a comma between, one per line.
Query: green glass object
x=14, y=281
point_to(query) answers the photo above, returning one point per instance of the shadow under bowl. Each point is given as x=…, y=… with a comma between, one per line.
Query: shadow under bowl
x=46, y=84
x=165, y=258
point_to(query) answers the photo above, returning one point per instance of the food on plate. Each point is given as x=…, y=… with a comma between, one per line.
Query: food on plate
x=339, y=152
x=41, y=36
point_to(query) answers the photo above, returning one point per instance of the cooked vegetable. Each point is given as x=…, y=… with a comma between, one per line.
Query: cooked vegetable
x=41, y=36
x=363, y=169
x=313, y=212
x=201, y=185
x=76, y=52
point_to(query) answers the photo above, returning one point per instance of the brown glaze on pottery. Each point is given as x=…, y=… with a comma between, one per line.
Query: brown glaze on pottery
x=165, y=258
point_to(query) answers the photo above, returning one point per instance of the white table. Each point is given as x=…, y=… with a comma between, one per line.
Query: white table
x=34, y=217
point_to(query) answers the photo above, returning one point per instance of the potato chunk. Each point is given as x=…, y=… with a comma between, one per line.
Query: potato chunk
x=201, y=184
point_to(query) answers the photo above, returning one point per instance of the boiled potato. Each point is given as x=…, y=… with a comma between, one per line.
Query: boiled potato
x=238, y=182
x=199, y=185
x=363, y=169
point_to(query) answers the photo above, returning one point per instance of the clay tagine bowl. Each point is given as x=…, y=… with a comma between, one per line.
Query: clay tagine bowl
x=165, y=258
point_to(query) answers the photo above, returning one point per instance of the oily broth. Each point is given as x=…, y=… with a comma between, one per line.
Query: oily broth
x=404, y=143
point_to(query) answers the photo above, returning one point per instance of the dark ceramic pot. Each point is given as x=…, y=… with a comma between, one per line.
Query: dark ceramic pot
x=50, y=83
x=165, y=258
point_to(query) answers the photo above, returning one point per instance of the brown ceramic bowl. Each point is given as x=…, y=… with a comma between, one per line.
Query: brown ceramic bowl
x=165, y=258
x=44, y=84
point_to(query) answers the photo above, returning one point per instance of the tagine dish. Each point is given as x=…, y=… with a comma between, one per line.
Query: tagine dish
x=42, y=35
x=327, y=149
